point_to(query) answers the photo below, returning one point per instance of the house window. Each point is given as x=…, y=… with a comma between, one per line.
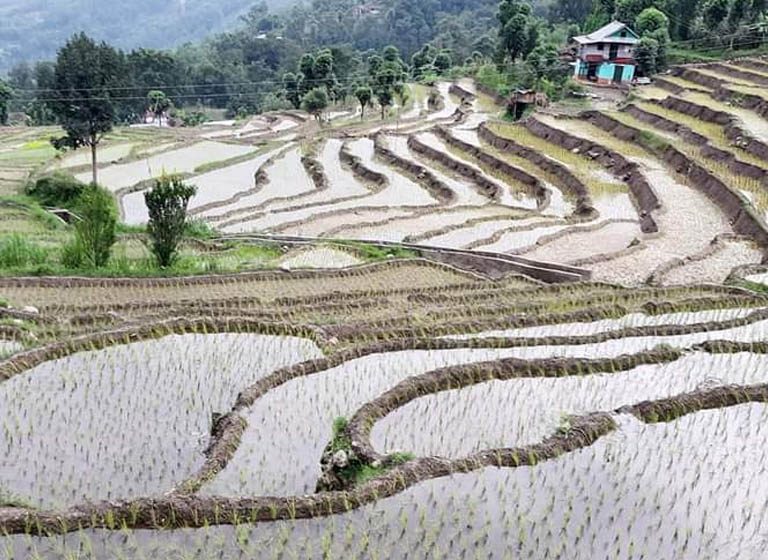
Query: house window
x=624, y=33
x=600, y=46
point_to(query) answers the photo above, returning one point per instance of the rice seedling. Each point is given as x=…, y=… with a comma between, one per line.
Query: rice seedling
x=480, y=423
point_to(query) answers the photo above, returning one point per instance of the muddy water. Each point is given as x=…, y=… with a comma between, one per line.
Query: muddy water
x=128, y=420
x=399, y=190
x=686, y=489
x=318, y=225
x=213, y=186
x=586, y=242
x=183, y=160
x=511, y=194
x=449, y=103
x=290, y=426
x=228, y=181
x=462, y=237
x=424, y=223
x=717, y=267
x=341, y=185
x=605, y=325
x=688, y=222
x=286, y=177
x=520, y=412
x=465, y=193
x=559, y=205
x=106, y=154
x=515, y=240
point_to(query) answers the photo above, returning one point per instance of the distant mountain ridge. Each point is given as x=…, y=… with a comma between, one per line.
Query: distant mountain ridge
x=33, y=29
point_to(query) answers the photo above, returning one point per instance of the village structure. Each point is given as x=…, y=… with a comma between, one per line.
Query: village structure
x=606, y=56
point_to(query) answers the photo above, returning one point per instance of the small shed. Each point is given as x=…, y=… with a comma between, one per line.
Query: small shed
x=522, y=100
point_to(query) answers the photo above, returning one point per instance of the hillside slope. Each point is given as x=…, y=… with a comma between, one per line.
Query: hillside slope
x=34, y=29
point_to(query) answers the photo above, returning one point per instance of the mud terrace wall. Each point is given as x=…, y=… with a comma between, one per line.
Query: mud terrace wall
x=567, y=180
x=732, y=128
x=499, y=99
x=492, y=265
x=486, y=186
x=741, y=215
x=436, y=188
x=690, y=74
x=734, y=72
x=181, y=510
x=535, y=185
x=645, y=199
x=315, y=170
x=361, y=171
x=461, y=93
x=707, y=150
x=721, y=92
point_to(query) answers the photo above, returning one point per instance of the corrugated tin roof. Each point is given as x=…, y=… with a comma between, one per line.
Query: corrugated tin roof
x=604, y=35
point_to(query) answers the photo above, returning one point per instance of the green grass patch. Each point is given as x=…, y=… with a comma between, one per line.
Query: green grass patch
x=357, y=472
x=375, y=253
x=17, y=251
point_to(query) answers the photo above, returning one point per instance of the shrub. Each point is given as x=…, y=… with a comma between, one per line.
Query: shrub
x=167, y=204
x=315, y=102
x=187, y=118
x=199, y=229
x=57, y=189
x=95, y=227
x=73, y=254
x=17, y=252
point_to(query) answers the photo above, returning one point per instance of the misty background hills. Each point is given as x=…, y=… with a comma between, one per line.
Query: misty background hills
x=32, y=30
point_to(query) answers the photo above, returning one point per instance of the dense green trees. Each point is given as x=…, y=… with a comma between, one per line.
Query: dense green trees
x=364, y=95
x=6, y=93
x=315, y=101
x=158, y=104
x=518, y=33
x=86, y=78
x=257, y=65
x=727, y=24
x=33, y=29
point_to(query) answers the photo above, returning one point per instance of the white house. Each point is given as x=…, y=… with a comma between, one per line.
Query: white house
x=607, y=55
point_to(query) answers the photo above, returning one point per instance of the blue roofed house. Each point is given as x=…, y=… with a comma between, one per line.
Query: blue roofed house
x=606, y=56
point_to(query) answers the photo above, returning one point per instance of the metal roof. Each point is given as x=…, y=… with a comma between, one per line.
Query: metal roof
x=603, y=35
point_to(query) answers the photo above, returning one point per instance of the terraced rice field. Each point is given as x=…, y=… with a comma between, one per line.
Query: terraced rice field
x=571, y=191
x=480, y=416
x=562, y=355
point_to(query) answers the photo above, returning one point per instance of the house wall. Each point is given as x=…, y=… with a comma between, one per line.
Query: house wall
x=625, y=51
x=606, y=71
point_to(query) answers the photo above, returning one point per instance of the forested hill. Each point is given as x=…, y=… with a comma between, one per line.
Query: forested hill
x=32, y=30
x=462, y=25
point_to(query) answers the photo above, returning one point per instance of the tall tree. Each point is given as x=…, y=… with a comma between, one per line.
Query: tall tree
x=291, y=87
x=6, y=93
x=315, y=102
x=364, y=96
x=86, y=75
x=158, y=104
x=517, y=32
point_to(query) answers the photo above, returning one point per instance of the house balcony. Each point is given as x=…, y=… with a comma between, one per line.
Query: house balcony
x=599, y=58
